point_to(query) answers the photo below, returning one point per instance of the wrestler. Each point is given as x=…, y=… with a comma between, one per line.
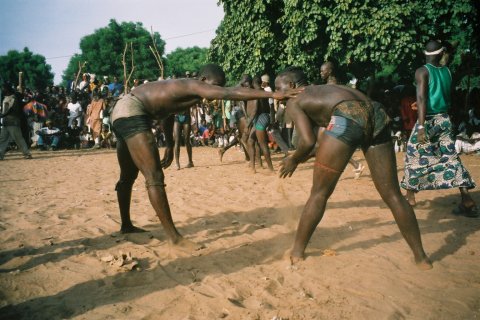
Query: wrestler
x=329, y=74
x=136, y=146
x=351, y=120
x=183, y=124
x=258, y=132
x=239, y=121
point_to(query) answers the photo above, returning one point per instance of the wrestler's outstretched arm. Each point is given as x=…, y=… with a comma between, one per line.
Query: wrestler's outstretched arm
x=306, y=141
x=212, y=92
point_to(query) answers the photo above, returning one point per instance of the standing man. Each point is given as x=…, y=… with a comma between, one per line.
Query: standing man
x=136, y=146
x=182, y=128
x=258, y=132
x=351, y=120
x=94, y=117
x=74, y=110
x=275, y=127
x=12, y=116
x=431, y=161
x=238, y=120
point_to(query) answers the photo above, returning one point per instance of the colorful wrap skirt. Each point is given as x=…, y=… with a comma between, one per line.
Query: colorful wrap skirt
x=434, y=164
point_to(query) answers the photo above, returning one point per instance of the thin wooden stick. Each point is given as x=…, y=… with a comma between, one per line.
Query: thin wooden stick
x=80, y=67
x=20, y=81
x=155, y=52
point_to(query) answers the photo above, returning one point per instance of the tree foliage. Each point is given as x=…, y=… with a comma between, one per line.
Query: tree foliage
x=247, y=38
x=366, y=37
x=104, y=48
x=37, y=73
x=181, y=60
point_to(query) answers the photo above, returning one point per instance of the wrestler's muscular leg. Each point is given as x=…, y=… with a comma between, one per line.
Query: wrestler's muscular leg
x=243, y=136
x=252, y=139
x=128, y=174
x=144, y=153
x=262, y=139
x=331, y=158
x=187, y=129
x=383, y=168
x=177, y=131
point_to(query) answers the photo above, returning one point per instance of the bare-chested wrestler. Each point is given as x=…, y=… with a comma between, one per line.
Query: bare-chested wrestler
x=136, y=146
x=239, y=121
x=182, y=128
x=258, y=132
x=351, y=120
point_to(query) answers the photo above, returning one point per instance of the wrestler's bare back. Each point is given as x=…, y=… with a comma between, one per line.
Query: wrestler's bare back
x=162, y=98
x=318, y=101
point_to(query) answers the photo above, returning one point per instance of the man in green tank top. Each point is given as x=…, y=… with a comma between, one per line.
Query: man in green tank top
x=431, y=161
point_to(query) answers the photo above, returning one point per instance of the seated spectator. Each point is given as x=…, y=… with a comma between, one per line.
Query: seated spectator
x=106, y=137
x=202, y=127
x=221, y=139
x=468, y=138
x=48, y=136
x=72, y=136
x=196, y=138
x=208, y=136
x=86, y=140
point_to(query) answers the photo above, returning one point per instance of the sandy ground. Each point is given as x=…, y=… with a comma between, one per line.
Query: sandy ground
x=62, y=258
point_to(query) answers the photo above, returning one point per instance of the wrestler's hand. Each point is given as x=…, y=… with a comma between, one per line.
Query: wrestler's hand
x=291, y=93
x=287, y=167
x=421, y=136
x=167, y=158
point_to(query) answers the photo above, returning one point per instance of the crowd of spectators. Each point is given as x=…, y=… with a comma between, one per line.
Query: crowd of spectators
x=63, y=117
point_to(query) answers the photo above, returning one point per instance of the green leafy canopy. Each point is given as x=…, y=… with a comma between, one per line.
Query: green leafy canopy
x=37, y=73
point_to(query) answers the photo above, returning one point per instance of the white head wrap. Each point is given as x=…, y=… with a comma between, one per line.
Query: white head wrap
x=433, y=53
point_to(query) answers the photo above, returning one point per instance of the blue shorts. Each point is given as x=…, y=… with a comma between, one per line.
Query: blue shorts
x=350, y=132
x=345, y=130
x=262, y=121
x=183, y=118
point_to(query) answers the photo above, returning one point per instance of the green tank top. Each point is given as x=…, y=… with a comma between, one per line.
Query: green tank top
x=439, y=86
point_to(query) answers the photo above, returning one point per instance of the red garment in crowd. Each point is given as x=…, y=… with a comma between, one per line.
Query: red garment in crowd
x=409, y=116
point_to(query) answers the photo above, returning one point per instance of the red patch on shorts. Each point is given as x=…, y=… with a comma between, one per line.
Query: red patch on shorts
x=330, y=125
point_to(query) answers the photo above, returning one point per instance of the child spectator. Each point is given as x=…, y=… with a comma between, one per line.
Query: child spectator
x=86, y=140
x=73, y=136
x=106, y=137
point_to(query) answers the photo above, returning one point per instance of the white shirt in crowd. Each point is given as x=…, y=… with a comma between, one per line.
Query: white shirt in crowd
x=268, y=89
x=75, y=110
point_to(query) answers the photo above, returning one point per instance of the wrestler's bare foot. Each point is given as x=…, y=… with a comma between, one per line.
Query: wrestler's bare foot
x=131, y=229
x=186, y=245
x=294, y=258
x=411, y=198
x=424, y=264
x=412, y=202
x=189, y=165
x=220, y=153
